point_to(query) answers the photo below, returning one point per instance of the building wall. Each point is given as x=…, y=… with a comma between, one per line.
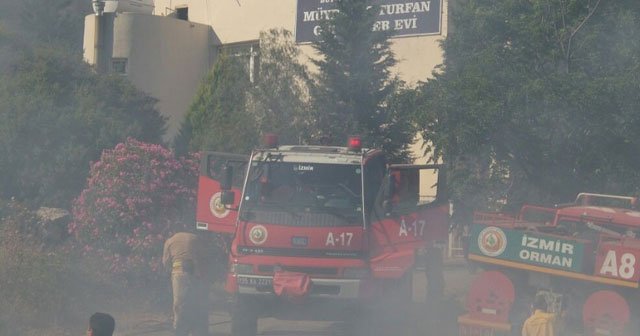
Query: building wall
x=235, y=20
x=242, y=20
x=165, y=57
x=89, y=39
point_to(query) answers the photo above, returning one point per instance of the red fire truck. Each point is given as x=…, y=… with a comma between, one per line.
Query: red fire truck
x=318, y=232
x=582, y=257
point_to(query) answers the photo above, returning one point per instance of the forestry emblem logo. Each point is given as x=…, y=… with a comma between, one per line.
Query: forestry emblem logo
x=216, y=206
x=492, y=241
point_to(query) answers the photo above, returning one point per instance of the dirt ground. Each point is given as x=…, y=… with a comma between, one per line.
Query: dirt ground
x=423, y=321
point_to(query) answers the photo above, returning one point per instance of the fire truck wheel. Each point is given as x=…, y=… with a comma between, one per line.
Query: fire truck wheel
x=244, y=318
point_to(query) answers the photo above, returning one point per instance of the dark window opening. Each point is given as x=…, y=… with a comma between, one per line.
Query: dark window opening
x=119, y=65
x=182, y=13
x=249, y=52
x=327, y=194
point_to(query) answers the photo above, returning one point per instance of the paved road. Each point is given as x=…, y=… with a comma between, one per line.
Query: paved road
x=419, y=323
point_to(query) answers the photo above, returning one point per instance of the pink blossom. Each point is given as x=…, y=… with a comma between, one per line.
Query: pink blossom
x=134, y=194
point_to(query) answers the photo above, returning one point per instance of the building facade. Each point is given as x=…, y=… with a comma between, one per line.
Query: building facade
x=166, y=47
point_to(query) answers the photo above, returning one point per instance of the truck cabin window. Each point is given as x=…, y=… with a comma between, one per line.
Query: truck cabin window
x=332, y=189
x=215, y=169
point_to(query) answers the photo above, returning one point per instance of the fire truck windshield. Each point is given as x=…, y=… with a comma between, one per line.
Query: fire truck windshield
x=325, y=194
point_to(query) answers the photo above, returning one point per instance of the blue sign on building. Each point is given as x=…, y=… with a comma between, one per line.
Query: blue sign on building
x=399, y=17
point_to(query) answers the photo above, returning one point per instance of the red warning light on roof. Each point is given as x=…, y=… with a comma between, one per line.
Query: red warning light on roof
x=270, y=140
x=355, y=143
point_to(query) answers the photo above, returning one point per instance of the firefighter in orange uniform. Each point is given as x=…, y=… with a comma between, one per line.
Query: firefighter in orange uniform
x=185, y=254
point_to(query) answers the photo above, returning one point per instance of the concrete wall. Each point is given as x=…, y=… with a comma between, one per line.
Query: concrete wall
x=235, y=20
x=166, y=58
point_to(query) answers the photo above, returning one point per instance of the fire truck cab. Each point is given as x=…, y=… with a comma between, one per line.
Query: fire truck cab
x=317, y=232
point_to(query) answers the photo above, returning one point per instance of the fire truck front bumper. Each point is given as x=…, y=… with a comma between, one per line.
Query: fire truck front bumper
x=320, y=287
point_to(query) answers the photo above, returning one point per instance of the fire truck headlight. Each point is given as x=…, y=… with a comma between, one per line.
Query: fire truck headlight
x=355, y=273
x=242, y=268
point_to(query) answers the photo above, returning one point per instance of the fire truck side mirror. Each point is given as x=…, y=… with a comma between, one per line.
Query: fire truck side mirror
x=443, y=188
x=389, y=191
x=227, y=197
x=227, y=177
x=390, y=184
x=387, y=206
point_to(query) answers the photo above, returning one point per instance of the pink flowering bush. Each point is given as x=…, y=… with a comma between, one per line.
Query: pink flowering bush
x=136, y=196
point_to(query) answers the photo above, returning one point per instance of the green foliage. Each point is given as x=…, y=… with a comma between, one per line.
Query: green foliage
x=8, y=47
x=29, y=24
x=54, y=22
x=534, y=102
x=3, y=34
x=278, y=100
x=56, y=116
x=182, y=139
x=355, y=87
x=218, y=118
x=39, y=287
x=230, y=113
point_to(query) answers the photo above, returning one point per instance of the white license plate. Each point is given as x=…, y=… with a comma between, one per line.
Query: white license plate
x=245, y=281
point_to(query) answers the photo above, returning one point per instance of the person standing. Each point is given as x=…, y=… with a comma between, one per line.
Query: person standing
x=541, y=322
x=101, y=324
x=185, y=255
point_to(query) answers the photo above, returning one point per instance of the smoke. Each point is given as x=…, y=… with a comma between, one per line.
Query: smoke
x=35, y=23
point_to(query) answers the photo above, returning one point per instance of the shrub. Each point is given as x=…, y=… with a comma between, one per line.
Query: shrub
x=137, y=195
x=56, y=115
x=40, y=287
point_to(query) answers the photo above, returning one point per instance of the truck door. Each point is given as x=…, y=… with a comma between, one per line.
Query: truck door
x=411, y=214
x=211, y=214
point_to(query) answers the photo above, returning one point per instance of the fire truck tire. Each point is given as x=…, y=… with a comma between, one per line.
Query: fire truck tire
x=244, y=318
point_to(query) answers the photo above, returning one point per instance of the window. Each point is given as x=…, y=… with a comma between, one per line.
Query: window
x=374, y=171
x=182, y=13
x=249, y=52
x=326, y=194
x=119, y=65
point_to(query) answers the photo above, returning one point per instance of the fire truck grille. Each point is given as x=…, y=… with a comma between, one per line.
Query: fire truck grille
x=325, y=289
x=305, y=219
x=302, y=269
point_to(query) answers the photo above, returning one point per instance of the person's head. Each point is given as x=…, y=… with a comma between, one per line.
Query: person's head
x=101, y=324
x=539, y=303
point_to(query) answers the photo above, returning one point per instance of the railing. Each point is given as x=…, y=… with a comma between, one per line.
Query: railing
x=606, y=200
x=493, y=218
x=455, y=249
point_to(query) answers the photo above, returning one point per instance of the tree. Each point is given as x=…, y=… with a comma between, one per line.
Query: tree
x=533, y=100
x=3, y=35
x=355, y=86
x=56, y=22
x=8, y=46
x=136, y=197
x=230, y=112
x=56, y=116
x=35, y=24
x=279, y=98
x=217, y=119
